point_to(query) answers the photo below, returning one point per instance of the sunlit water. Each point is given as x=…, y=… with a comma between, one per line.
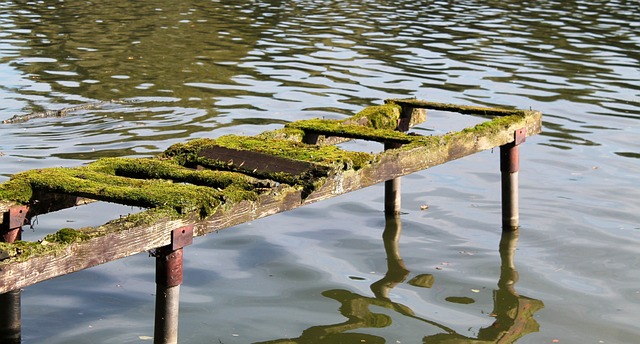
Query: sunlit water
x=203, y=69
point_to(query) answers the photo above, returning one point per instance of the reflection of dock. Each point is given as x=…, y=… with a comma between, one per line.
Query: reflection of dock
x=206, y=185
x=513, y=313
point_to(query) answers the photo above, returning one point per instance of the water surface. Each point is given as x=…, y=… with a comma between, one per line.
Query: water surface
x=204, y=69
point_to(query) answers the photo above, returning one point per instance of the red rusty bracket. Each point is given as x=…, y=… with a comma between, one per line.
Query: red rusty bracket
x=169, y=268
x=13, y=221
x=18, y=216
x=181, y=237
x=169, y=258
x=519, y=136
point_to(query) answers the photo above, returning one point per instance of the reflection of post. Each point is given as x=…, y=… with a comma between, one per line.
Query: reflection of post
x=168, y=280
x=509, y=167
x=513, y=312
x=508, y=273
x=396, y=270
x=10, y=322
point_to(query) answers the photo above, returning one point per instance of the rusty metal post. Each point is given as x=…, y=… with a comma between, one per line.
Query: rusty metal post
x=10, y=315
x=168, y=280
x=392, y=191
x=509, y=167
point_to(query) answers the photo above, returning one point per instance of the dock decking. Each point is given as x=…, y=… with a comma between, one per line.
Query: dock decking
x=206, y=185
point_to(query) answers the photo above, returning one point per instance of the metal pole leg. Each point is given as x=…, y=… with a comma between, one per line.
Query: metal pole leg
x=392, y=198
x=168, y=280
x=509, y=167
x=392, y=190
x=10, y=315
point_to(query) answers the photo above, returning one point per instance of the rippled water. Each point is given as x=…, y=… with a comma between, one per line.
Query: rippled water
x=203, y=69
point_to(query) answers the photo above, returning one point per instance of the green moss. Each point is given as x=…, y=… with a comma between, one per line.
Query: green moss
x=145, y=193
x=289, y=134
x=17, y=188
x=66, y=236
x=23, y=250
x=326, y=155
x=336, y=128
x=494, y=126
x=378, y=117
x=143, y=218
x=56, y=242
x=170, y=170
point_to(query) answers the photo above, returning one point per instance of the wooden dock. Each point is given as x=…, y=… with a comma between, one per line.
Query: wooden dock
x=206, y=185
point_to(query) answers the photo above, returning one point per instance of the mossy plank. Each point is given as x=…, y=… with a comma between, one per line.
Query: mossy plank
x=127, y=236
x=337, y=128
x=463, y=109
x=74, y=256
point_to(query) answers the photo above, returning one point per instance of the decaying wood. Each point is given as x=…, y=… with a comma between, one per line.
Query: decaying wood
x=61, y=112
x=463, y=109
x=124, y=237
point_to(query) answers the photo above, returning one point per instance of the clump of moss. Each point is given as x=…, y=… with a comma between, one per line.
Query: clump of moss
x=18, y=188
x=143, y=218
x=286, y=133
x=494, y=126
x=58, y=241
x=185, y=153
x=378, y=117
x=65, y=236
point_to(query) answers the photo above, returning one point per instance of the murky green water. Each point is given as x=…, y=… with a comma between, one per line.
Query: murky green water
x=322, y=274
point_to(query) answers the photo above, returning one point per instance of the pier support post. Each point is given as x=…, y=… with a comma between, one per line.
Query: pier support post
x=10, y=316
x=10, y=322
x=168, y=280
x=392, y=192
x=509, y=168
x=392, y=189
